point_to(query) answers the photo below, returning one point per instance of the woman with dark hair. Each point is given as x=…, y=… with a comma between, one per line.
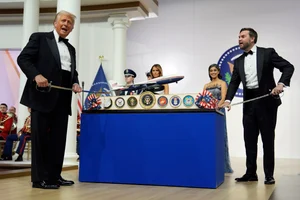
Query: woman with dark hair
x=218, y=88
x=155, y=72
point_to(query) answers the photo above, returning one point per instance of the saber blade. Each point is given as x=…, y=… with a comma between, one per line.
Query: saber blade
x=249, y=100
x=70, y=89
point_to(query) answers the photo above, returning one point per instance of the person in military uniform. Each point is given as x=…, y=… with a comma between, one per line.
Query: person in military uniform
x=23, y=135
x=129, y=79
x=12, y=110
x=6, y=121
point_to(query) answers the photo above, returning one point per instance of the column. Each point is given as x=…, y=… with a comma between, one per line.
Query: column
x=120, y=24
x=73, y=7
x=31, y=16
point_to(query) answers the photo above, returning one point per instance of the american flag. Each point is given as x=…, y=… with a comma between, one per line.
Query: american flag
x=94, y=102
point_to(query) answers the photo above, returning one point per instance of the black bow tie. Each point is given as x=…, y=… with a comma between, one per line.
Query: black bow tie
x=63, y=39
x=247, y=53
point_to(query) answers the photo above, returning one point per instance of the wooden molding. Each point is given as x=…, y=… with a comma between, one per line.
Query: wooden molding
x=83, y=8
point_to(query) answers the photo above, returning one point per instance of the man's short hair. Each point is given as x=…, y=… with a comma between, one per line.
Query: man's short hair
x=252, y=33
x=63, y=12
x=4, y=104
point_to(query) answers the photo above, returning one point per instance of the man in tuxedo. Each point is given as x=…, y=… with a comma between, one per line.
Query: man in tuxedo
x=49, y=57
x=255, y=70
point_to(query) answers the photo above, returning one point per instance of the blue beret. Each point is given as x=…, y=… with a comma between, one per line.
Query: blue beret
x=129, y=72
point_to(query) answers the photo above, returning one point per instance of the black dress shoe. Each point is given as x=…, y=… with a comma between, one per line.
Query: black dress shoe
x=269, y=180
x=247, y=177
x=20, y=158
x=64, y=182
x=44, y=185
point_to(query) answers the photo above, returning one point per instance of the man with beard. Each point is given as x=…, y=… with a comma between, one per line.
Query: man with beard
x=255, y=70
x=49, y=57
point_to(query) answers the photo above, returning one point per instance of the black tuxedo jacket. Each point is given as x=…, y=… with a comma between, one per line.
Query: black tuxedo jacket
x=267, y=60
x=41, y=56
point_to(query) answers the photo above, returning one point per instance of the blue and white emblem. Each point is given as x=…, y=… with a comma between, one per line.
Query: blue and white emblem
x=226, y=64
x=175, y=101
x=188, y=101
x=119, y=102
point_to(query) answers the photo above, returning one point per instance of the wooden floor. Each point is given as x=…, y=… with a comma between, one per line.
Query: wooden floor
x=288, y=188
x=20, y=188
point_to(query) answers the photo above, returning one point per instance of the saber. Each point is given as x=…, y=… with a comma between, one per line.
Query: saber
x=69, y=89
x=249, y=100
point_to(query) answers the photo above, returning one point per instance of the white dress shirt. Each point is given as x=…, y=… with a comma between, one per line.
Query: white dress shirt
x=64, y=53
x=250, y=66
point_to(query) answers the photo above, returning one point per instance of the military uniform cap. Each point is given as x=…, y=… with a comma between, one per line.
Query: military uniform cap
x=129, y=72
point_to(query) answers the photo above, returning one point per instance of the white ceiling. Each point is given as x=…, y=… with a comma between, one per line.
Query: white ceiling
x=148, y=10
x=6, y=4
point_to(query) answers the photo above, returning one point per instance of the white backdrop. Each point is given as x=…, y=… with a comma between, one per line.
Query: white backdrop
x=186, y=38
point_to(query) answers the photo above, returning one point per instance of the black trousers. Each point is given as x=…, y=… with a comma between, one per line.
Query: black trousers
x=48, y=137
x=259, y=117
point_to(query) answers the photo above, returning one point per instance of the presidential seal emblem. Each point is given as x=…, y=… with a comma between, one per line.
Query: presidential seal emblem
x=132, y=102
x=175, y=101
x=107, y=102
x=147, y=100
x=226, y=64
x=120, y=102
x=162, y=101
x=188, y=101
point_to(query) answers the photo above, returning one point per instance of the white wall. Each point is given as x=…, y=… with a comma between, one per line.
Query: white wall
x=95, y=39
x=186, y=38
x=11, y=36
x=190, y=35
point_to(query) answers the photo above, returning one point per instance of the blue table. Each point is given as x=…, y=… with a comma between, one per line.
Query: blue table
x=155, y=147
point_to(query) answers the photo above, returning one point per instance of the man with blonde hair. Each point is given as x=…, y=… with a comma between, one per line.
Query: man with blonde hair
x=49, y=57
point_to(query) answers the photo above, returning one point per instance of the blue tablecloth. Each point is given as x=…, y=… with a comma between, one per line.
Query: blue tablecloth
x=170, y=148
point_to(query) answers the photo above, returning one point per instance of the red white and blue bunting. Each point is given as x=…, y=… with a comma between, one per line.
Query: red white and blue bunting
x=206, y=100
x=94, y=102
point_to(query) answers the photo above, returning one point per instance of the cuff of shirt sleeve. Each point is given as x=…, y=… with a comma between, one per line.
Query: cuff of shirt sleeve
x=280, y=83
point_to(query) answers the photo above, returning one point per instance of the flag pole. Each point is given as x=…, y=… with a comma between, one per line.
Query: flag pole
x=82, y=96
x=101, y=59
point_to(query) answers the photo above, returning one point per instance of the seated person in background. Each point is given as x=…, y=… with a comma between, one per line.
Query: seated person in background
x=6, y=121
x=129, y=80
x=12, y=110
x=218, y=89
x=23, y=135
x=155, y=72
